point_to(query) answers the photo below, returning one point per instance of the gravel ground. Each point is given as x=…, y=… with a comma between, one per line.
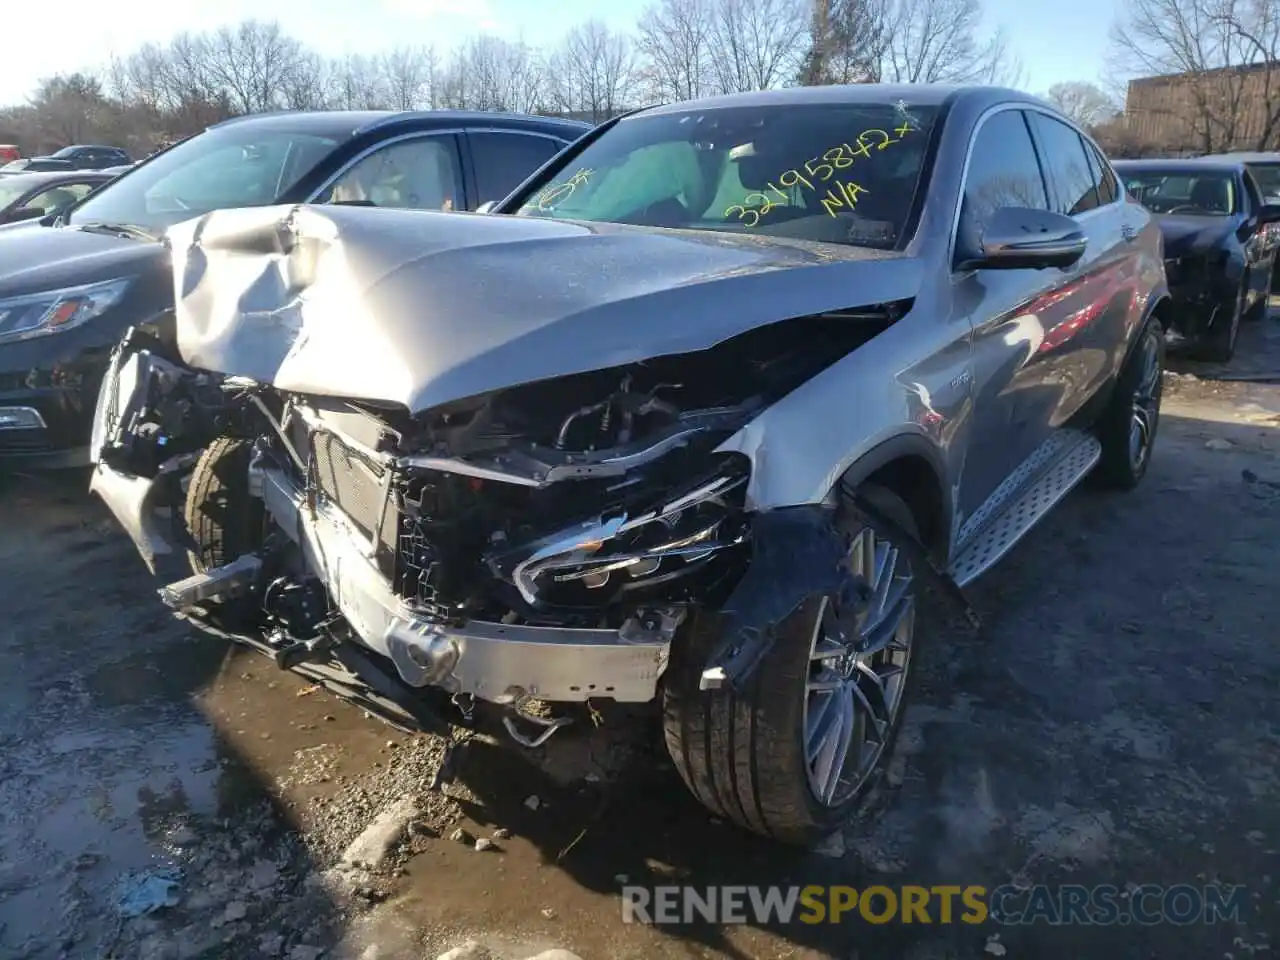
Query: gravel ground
x=1118, y=721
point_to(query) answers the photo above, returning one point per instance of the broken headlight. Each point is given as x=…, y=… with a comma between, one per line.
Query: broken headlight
x=676, y=535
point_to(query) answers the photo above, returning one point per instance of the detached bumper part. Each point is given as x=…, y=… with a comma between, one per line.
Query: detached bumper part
x=797, y=553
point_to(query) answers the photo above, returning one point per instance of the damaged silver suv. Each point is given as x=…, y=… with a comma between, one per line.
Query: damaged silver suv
x=688, y=422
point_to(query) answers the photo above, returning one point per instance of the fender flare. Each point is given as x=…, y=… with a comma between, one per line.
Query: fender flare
x=899, y=447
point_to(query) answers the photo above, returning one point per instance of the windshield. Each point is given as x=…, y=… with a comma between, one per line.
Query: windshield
x=838, y=173
x=1211, y=194
x=63, y=154
x=1268, y=177
x=11, y=188
x=241, y=165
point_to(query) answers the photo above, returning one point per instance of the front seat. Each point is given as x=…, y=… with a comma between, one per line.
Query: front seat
x=56, y=199
x=1213, y=194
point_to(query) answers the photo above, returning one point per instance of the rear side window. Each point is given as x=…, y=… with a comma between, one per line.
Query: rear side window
x=1108, y=187
x=1066, y=164
x=503, y=161
x=1003, y=171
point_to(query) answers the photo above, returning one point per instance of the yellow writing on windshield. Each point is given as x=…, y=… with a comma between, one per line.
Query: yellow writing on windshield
x=555, y=193
x=819, y=170
x=842, y=195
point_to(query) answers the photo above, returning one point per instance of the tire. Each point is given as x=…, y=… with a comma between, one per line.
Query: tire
x=1122, y=467
x=225, y=520
x=1218, y=344
x=743, y=755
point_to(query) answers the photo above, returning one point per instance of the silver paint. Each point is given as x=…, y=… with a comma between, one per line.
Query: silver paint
x=419, y=309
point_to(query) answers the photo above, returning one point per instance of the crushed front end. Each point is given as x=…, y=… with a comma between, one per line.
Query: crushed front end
x=543, y=542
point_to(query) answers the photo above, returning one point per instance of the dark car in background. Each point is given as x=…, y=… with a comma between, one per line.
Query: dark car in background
x=1265, y=168
x=29, y=196
x=71, y=284
x=1218, y=251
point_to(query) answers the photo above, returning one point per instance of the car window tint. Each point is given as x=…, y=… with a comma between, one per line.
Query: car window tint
x=503, y=161
x=1066, y=165
x=1003, y=170
x=1108, y=187
x=417, y=174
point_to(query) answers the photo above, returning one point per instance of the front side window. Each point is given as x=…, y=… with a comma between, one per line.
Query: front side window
x=1066, y=165
x=1108, y=186
x=837, y=173
x=1003, y=172
x=1191, y=194
x=239, y=165
x=416, y=174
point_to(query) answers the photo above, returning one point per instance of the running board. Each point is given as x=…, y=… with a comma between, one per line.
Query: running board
x=1072, y=455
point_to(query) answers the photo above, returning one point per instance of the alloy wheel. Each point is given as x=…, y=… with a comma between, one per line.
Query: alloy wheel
x=1146, y=404
x=858, y=663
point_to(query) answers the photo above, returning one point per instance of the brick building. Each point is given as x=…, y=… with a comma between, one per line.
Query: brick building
x=1172, y=112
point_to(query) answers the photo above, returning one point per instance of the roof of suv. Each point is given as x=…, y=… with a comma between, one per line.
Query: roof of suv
x=363, y=121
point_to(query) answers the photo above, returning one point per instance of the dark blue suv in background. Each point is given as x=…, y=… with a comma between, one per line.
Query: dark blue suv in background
x=71, y=284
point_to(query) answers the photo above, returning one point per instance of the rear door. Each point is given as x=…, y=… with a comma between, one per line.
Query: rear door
x=501, y=160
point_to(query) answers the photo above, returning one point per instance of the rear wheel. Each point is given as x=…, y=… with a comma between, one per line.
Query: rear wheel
x=793, y=754
x=1127, y=429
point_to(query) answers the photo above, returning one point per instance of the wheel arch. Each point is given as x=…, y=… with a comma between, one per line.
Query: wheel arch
x=911, y=467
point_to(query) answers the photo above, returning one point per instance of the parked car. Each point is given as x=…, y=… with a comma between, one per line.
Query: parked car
x=686, y=423
x=90, y=156
x=9, y=152
x=34, y=195
x=71, y=285
x=1218, y=253
x=34, y=165
x=1265, y=168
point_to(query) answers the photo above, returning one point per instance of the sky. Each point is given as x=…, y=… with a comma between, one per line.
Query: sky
x=1055, y=42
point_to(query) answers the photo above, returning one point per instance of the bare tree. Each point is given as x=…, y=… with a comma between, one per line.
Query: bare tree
x=409, y=77
x=1221, y=57
x=251, y=61
x=490, y=73
x=356, y=83
x=938, y=41
x=906, y=41
x=1085, y=103
x=846, y=42
x=675, y=38
x=594, y=71
x=756, y=44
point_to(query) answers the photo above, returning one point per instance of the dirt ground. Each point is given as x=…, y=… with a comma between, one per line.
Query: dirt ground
x=1117, y=722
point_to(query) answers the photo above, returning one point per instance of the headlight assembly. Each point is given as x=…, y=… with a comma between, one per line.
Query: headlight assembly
x=657, y=544
x=52, y=311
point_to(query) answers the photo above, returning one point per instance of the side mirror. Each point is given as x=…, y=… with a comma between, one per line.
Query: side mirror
x=487, y=206
x=22, y=213
x=1270, y=213
x=1022, y=238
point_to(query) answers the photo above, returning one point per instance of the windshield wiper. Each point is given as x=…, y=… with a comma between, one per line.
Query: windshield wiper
x=126, y=230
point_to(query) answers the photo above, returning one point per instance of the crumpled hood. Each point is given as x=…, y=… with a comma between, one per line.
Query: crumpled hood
x=1186, y=236
x=419, y=309
x=44, y=258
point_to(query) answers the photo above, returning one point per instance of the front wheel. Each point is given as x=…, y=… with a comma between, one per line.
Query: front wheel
x=793, y=754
